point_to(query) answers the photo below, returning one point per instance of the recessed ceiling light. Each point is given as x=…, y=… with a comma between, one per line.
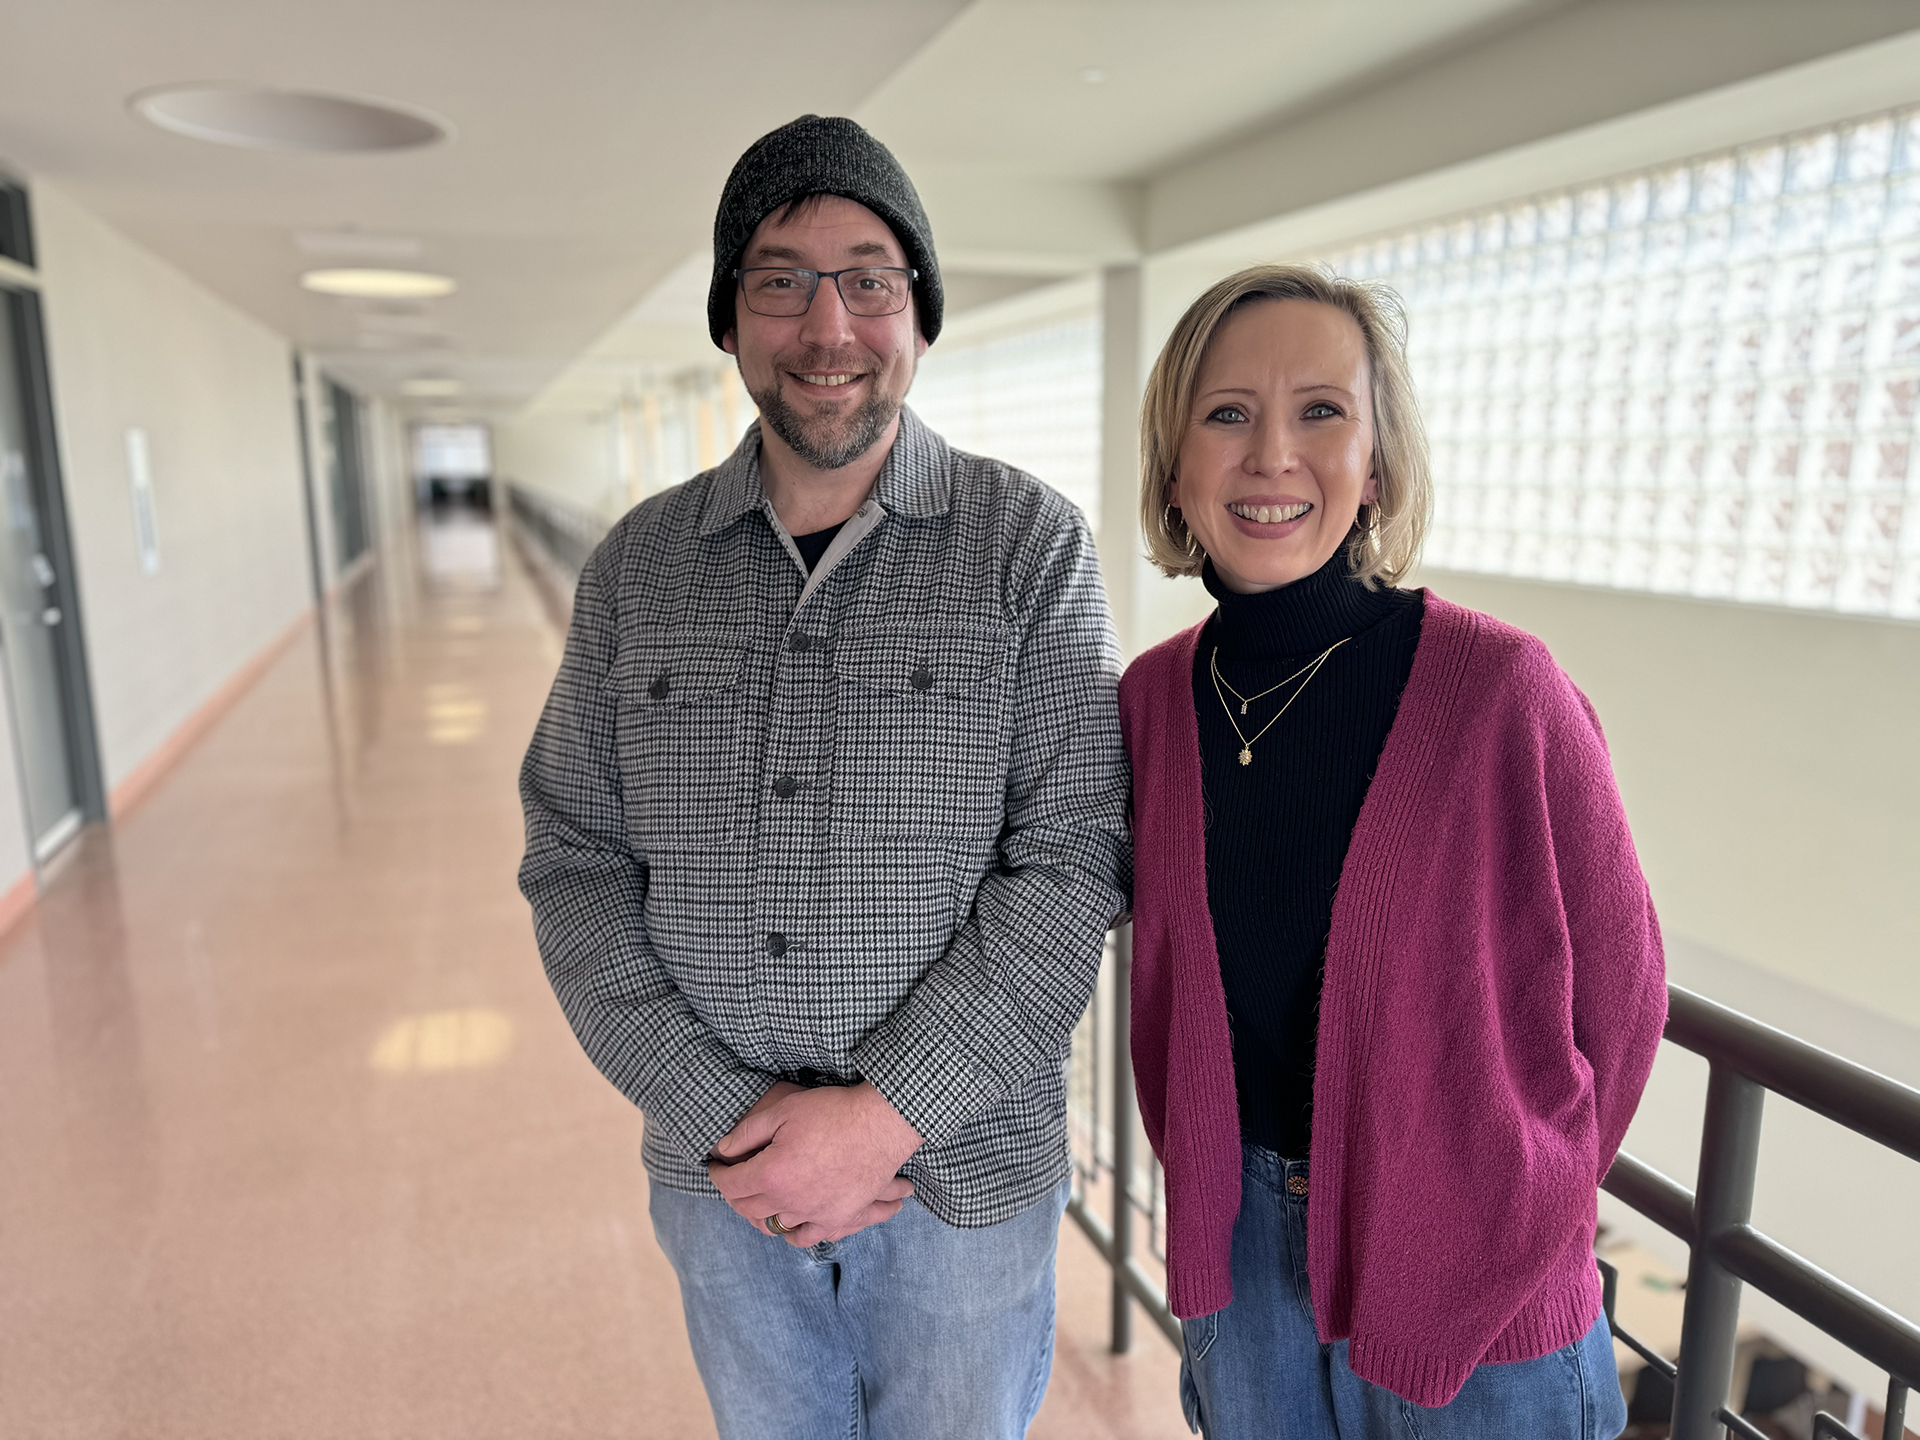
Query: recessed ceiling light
x=379, y=284
x=1093, y=75
x=431, y=386
x=301, y=120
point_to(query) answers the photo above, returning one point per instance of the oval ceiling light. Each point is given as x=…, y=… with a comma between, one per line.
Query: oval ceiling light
x=431, y=386
x=378, y=284
x=300, y=120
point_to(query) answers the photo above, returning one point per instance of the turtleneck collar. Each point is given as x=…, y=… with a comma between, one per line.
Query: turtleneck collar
x=1308, y=615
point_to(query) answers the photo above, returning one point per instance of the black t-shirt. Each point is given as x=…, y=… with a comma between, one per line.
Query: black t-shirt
x=1277, y=829
x=812, y=547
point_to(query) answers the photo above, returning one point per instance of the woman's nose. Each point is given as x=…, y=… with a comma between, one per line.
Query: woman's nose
x=1272, y=451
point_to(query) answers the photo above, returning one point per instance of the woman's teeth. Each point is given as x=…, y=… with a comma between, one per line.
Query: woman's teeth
x=829, y=379
x=1270, y=514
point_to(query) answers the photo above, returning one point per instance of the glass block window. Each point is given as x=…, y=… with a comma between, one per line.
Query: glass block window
x=1700, y=379
x=1031, y=399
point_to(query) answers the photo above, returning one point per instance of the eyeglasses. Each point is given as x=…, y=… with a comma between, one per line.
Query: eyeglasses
x=869, y=292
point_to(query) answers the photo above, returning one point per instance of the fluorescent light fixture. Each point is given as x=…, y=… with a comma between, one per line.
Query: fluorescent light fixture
x=257, y=118
x=434, y=386
x=379, y=284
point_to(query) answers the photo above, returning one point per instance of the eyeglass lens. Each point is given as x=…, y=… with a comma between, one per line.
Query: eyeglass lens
x=880, y=290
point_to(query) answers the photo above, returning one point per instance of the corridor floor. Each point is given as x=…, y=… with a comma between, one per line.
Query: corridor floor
x=294, y=1140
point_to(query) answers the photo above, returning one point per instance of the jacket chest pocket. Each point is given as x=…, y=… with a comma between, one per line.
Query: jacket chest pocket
x=920, y=738
x=679, y=741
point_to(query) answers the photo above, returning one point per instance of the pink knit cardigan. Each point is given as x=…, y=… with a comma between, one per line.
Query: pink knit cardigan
x=1494, y=994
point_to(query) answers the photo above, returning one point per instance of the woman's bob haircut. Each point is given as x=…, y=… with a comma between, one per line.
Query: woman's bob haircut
x=1387, y=534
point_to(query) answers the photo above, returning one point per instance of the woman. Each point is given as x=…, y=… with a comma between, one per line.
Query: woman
x=1397, y=979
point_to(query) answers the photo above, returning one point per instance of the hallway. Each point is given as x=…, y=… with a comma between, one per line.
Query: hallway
x=297, y=1142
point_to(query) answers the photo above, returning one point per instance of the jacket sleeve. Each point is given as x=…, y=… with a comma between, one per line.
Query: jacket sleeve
x=1002, y=1002
x=588, y=891
x=1619, y=988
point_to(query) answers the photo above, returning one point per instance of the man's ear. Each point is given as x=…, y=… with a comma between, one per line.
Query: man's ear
x=730, y=342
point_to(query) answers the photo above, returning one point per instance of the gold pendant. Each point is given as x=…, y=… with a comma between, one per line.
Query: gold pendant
x=1246, y=755
x=1243, y=707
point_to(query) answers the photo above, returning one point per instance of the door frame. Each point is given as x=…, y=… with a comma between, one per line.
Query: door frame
x=19, y=292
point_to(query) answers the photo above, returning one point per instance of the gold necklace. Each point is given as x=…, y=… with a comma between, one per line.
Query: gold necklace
x=1246, y=700
x=1309, y=670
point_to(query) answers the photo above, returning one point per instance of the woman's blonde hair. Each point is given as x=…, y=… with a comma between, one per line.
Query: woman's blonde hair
x=1386, y=534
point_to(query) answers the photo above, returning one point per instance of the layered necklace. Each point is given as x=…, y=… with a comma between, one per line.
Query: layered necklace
x=1221, y=688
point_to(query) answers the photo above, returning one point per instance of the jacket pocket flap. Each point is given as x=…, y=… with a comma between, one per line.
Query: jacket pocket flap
x=651, y=675
x=921, y=662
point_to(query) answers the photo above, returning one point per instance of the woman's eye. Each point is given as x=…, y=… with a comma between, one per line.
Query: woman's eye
x=1320, y=410
x=1230, y=414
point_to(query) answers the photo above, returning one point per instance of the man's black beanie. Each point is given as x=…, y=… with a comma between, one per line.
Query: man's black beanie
x=819, y=155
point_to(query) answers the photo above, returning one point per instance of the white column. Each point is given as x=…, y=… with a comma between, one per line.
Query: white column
x=1122, y=378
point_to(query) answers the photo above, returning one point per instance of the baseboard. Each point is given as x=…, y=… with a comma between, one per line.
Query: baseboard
x=144, y=777
x=18, y=900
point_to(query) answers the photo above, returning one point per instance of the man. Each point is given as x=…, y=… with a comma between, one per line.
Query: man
x=825, y=824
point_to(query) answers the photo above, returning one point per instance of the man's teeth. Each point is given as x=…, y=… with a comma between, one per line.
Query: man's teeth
x=829, y=379
x=1271, y=514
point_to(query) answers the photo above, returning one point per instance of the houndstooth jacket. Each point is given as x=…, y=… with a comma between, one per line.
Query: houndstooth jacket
x=869, y=823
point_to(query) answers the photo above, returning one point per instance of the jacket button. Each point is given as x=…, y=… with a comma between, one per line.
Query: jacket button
x=785, y=786
x=776, y=944
x=921, y=679
x=659, y=688
x=799, y=643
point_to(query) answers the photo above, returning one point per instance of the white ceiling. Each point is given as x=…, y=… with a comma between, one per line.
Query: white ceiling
x=593, y=137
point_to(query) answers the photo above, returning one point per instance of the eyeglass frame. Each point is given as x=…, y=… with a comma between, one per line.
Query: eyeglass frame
x=913, y=278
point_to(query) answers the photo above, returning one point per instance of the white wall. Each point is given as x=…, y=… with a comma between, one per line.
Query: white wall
x=133, y=342
x=572, y=457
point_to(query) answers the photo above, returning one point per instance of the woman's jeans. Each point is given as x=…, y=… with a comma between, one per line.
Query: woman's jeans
x=1257, y=1370
x=908, y=1330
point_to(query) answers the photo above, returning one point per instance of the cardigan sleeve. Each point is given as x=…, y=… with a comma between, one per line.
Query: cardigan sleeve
x=1619, y=987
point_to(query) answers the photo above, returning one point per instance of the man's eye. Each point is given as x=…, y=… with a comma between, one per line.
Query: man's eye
x=1230, y=414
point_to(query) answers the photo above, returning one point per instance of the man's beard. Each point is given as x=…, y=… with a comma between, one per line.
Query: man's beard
x=830, y=441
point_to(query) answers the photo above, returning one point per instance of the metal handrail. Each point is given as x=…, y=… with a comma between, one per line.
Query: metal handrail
x=566, y=532
x=1746, y=1059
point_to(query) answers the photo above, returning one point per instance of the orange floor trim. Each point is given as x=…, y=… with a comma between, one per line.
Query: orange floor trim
x=18, y=900
x=142, y=779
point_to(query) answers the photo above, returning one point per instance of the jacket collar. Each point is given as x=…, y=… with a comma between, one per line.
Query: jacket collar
x=913, y=481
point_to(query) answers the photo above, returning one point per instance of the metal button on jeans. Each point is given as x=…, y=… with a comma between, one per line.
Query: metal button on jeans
x=785, y=786
x=776, y=944
x=1296, y=1184
x=659, y=688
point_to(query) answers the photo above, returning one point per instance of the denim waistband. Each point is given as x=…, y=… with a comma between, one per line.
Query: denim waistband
x=1270, y=1167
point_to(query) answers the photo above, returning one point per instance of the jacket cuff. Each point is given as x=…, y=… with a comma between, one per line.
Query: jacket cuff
x=925, y=1071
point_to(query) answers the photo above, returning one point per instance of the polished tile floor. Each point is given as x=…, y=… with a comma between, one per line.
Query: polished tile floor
x=293, y=1139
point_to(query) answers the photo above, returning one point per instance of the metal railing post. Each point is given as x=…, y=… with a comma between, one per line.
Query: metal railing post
x=1122, y=1340
x=1723, y=1200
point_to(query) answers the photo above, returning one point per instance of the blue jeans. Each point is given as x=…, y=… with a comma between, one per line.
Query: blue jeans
x=908, y=1330
x=1257, y=1370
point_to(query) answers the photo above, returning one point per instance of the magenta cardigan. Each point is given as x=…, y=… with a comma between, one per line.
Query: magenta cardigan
x=1494, y=994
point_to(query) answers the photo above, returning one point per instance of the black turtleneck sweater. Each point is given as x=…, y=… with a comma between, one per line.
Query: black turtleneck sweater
x=1277, y=829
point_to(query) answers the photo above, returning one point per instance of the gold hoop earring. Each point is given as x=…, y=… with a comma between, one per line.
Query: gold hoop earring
x=1192, y=546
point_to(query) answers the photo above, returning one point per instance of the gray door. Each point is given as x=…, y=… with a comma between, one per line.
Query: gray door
x=28, y=617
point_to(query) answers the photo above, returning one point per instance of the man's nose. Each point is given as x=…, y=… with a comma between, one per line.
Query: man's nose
x=827, y=321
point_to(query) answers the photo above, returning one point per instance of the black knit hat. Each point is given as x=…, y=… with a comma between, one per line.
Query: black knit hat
x=819, y=155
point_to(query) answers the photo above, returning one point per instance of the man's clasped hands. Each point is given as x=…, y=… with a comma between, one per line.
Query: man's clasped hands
x=823, y=1162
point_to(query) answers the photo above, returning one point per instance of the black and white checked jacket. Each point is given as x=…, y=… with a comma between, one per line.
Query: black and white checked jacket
x=869, y=824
